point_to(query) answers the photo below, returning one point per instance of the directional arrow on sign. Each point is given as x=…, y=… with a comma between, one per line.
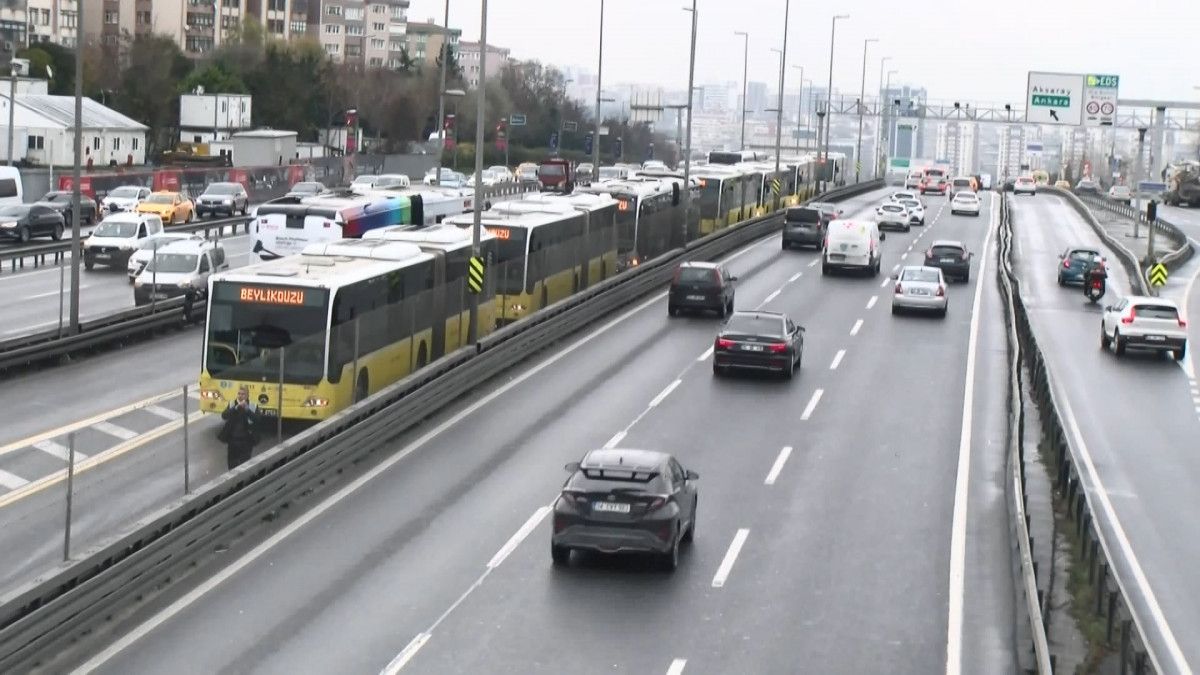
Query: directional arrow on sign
x=1158, y=275
x=1054, y=114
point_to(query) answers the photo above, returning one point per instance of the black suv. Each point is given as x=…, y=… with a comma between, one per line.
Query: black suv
x=804, y=226
x=701, y=286
x=619, y=501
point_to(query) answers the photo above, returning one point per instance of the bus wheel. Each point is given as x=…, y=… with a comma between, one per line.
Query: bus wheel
x=422, y=356
x=362, y=386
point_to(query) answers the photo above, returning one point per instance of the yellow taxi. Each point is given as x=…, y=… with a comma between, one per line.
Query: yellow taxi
x=1062, y=184
x=172, y=207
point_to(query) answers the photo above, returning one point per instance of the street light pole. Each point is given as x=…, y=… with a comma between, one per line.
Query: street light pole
x=441, y=120
x=787, y=7
x=829, y=93
x=799, y=107
x=480, y=113
x=878, y=170
x=862, y=95
x=599, y=76
x=76, y=177
x=745, y=76
x=687, y=156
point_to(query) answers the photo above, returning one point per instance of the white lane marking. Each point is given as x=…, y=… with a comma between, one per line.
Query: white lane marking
x=812, y=404
x=774, y=294
x=735, y=547
x=405, y=656
x=677, y=667
x=896, y=267
x=520, y=535
x=795, y=276
x=114, y=430
x=958, y=531
x=65, y=291
x=856, y=327
x=617, y=438
x=707, y=353
x=884, y=283
x=664, y=393
x=31, y=328
x=871, y=303
x=814, y=262
x=837, y=359
x=777, y=467
x=11, y=480
x=58, y=450
x=317, y=511
x=165, y=413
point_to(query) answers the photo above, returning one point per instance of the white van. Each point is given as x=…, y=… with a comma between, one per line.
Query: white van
x=146, y=248
x=115, y=239
x=11, y=190
x=178, y=268
x=853, y=245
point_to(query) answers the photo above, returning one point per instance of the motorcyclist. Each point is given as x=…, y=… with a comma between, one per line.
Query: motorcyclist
x=1096, y=277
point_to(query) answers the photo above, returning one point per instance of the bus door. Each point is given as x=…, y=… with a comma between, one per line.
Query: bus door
x=439, y=306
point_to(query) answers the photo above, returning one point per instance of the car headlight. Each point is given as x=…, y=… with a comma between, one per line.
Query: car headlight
x=126, y=247
x=227, y=202
x=8, y=226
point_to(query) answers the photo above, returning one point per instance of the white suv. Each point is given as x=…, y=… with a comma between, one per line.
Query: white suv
x=1140, y=321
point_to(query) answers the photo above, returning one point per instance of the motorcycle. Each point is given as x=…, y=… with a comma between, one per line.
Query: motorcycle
x=1094, y=288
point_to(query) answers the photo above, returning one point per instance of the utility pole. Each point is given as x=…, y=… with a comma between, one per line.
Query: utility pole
x=599, y=76
x=441, y=120
x=687, y=156
x=76, y=177
x=799, y=108
x=1137, y=176
x=829, y=94
x=861, y=103
x=12, y=98
x=745, y=75
x=879, y=171
x=480, y=113
x=787, y=6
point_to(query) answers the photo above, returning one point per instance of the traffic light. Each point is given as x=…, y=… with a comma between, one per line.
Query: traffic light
x=553, y=140
x=1152, y=211
x=587, y=144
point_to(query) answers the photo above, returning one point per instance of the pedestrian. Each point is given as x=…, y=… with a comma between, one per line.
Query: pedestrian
x=188, y=298
x=240, y=431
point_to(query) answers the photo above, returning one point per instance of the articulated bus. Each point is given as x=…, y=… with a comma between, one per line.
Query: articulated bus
x=450, y=247
x=341, y=320
x=650, y=213
x=735, y=156
x=543, y=250
x=726, y=197
x=431, y=204
x=601, y=213
x=285, y=227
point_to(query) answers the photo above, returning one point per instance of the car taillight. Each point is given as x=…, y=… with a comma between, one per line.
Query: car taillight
x=1066, y=264
x=678, y=273
x=1183, y=323
x=964, y=255
x=717, y=277
x=723, y=343
x=658, y=502
x=899, y=288
x=777, y=348
x=1129, y=319
x=574, y=497
x=941, y=292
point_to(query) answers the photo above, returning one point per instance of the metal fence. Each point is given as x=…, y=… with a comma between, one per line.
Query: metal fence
x=1181, y=247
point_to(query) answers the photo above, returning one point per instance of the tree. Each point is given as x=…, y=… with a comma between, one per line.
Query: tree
x=60, y=60
x=289, y=88
x=215, y=78
x=148, y=85
x=454, y=71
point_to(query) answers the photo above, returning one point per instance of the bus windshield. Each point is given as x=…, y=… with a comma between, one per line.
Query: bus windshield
x=248, y=323
x=710, y=194
x=510, y=249
x=627, y=224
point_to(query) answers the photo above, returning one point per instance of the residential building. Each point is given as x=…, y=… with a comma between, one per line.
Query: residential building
x=108, y=20
x=756, y=98
x=1011, y=151
x=44, y=131
x=365, y=32
x=425, y=41
x=956, y=144
x=210, y=23
x=28, y=22
x=468, y=60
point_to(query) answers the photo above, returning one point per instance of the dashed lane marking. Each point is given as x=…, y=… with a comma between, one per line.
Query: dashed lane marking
x=777, y=467
x=871, y=303
x=812, y=404
x=11, y=480
x=58, y=450
x=837, y=359
x=677, y=667
x=731, y=555
x=114, y=430
x=856, y=327
x=165, y=413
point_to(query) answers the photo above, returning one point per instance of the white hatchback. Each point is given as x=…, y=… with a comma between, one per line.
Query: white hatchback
x=965, y=202
x=1145, y=322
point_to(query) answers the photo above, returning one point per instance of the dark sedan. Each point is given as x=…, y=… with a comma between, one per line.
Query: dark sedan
x=1074, y=264
x=22, y=222
x=759, y=341
x=62, y=200
x=952, y=257
x=625, y=501
x=306, y=189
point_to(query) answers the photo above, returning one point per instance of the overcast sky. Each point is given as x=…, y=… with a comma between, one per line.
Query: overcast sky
x=977, y=51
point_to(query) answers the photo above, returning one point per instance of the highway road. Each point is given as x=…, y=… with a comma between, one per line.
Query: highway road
x=851, y=520
x=1136, y=419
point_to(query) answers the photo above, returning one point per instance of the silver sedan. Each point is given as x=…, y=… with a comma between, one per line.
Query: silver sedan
x=920, y=288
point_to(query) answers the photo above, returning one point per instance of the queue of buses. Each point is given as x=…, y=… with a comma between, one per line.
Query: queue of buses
x=354, y=292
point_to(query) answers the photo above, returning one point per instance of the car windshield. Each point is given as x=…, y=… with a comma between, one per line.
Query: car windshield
x=370, y=180
x=222, y=189
x=550, y=170
x=124, y=193
x=165, y=263
x=607, y=172
x=1156, y=312
x=965, y=197
x=750, y=324
x=1084, y=256
x=946, y=250
x=14, y=211
x=918, y=274
x=893, y=208
x=160, y=199
x=151, y=243
x=111, y=228
x=696, y=275
x=911, y=203
x=803, y=215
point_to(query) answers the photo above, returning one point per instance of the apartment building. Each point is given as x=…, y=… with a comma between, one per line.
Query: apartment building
x=365, y=32
x=108, y=20
x=210, y=23
x=425, y=41
x=468, y=60
x=28, y=22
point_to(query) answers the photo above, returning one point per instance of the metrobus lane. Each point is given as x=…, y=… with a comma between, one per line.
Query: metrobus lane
x=454, y=489
x=824, y=530
x=1134, y=419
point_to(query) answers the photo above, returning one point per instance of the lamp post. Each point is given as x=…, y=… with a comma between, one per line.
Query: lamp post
x=558, y=147
x=76, y=171
x=888, y=121
x=599, y=75
x=745, y=76
x=879, y=122
x=799, y=107
x=687, y=157
x=829, y=90
x=455, y=94
x=441, y=133
x=787, y=6
x=480, y=114
x=862, y=94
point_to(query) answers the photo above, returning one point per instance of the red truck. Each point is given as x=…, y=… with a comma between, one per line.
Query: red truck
x=555, y=175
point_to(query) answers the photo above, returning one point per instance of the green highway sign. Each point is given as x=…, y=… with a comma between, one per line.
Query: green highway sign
x=900, y=162
x=1051, y=101
x=1104, y=81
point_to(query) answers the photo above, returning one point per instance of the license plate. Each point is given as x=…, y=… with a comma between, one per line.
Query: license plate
x=160, y=296
x=610, y=507
x=947, y=260
x=920, y=291
x=695, y=297
x=836, y=256
x=102, y=256
x=1156, y=338
x=752, y=348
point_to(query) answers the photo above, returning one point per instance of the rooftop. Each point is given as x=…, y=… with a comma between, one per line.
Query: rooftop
x=61, y=111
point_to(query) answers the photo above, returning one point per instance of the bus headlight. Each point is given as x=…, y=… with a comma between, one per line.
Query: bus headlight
x=518, y=307
x=315, y=402
x=210, y=394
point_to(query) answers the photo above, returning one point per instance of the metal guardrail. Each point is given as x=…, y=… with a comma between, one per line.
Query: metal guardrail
x=1129, y=260
x=40, y=620
x=1175, y=258
x=1018, y=499
x=1110, y=599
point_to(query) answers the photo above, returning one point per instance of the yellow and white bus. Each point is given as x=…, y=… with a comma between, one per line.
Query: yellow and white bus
x=601, y=213
x=450, y=247
x=726, y=197
x=336, y=323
